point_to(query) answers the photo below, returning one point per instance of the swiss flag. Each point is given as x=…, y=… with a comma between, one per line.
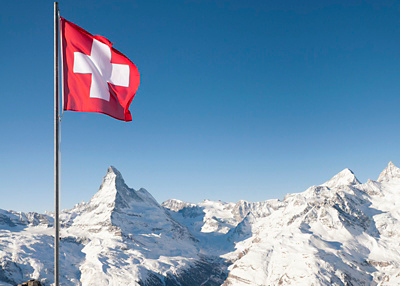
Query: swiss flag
x=97, y=78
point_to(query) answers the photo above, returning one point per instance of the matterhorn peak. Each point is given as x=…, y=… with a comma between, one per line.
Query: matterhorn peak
x=112, y=169
x=345, y=177
x=113, y=172
x=390, y=172
x=113, y=191
x=114, y=187
x=113, y=178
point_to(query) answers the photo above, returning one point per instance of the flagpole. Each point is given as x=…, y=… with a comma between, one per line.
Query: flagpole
x=56, y=148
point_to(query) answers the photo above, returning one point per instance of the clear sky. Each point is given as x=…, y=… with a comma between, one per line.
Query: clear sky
x=238, y=99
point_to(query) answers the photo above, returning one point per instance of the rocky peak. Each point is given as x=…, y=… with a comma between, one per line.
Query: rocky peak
x=113, y=202
x=176, y=205
x=390, y=172
x=113, y=190
x=108, y=188
x=345, y=177
x=112, y=177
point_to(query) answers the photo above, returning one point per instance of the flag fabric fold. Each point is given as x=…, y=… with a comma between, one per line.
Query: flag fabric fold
x=96, y=77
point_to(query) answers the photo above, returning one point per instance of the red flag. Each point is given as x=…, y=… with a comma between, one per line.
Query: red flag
x=97, y=78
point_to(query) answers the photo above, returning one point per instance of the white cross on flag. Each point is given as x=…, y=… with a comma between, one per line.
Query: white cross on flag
x=97, y=78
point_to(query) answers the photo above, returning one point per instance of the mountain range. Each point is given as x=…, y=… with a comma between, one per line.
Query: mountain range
x=342, y=232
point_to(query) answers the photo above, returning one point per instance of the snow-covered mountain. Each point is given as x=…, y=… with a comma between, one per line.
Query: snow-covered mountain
x=339, y=233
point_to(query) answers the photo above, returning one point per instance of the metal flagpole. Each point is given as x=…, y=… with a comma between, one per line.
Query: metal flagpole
x=56, y=147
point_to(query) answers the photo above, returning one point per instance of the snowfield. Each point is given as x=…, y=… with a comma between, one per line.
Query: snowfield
x=342, y=232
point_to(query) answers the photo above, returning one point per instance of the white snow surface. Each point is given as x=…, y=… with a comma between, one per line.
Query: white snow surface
x=342, y=232
x=343, y=178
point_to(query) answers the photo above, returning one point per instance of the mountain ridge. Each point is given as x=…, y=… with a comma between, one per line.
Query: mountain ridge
x=342, y=232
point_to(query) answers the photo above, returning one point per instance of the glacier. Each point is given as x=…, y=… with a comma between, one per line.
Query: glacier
x=342, y=232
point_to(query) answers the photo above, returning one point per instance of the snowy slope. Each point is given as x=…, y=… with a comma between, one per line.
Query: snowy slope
x=120, y=237
x=339, y=233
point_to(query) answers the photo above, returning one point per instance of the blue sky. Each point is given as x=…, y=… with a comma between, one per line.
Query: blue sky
x=238, y=99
